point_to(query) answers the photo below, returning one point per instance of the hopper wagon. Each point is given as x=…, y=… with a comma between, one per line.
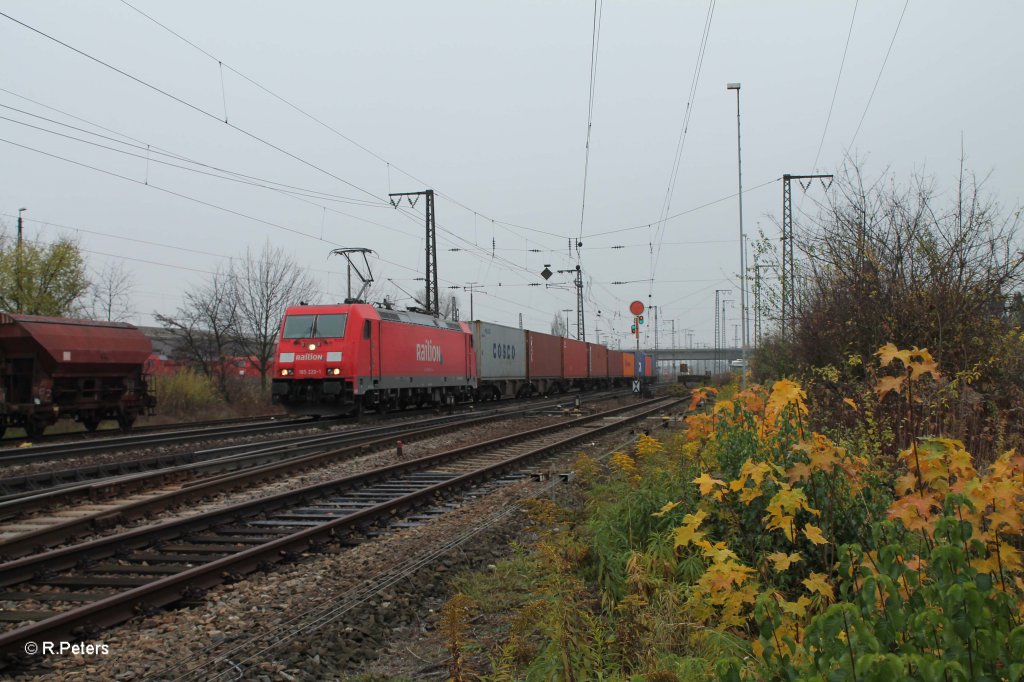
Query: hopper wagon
x=86, y=370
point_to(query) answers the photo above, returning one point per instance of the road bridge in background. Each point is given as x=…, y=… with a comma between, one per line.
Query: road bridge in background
x=698, y=360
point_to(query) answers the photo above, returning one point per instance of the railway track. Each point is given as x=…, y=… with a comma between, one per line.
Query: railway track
x=156, y=491
x=40, y=453
x=74, y=591
x=216, y=430
x=29, y=492
x=75, y=436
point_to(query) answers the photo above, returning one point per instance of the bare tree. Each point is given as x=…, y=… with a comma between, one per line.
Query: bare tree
x=110, y=294
x=263, y=285
x=901, y=263
x=559, y=327
x=206, y=328
x=451, y=309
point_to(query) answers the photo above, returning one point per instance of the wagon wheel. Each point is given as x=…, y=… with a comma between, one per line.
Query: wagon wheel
x=3, y=430
x=125, y=421
x=34, y=427
x=91, y=423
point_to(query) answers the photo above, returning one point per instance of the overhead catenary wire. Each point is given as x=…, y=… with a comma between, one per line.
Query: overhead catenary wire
x=595, y=44
x=390, y=165
x=680, y=144
x=835, y=90
x=146, y=183
x=190, y=105
x=210, y=204
x=879, y=77
x=296, y=195
x=215, y=172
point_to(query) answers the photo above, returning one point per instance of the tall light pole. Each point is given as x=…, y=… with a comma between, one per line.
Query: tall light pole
x=724, y=332
x=566, y=311
x=21, y=303
x=743, y=248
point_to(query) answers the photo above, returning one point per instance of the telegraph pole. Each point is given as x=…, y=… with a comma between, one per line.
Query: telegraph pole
x=788, y=270
x=431, y=303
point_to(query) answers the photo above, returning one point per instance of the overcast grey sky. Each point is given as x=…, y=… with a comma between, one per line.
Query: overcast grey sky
x=486, y=103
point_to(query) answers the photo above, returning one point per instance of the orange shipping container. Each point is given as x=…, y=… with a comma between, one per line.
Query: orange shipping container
x=628, y=366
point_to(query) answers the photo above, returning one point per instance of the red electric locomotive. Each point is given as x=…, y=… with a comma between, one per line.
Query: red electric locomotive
x=355, y=356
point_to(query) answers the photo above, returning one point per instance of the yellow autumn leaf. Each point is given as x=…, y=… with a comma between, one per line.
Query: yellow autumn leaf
x=849, y=401
x=688, y=532
x=784, y=393
x=887, y=353
x=707, y=484
x=798, y=472
x=669, y=506
x=796, y=608
x=818, y=583
x=813, y=534
x=750, y=494
x=922, y=363
x=725, y=406
x=886, y=384
x=783, y=561
x=781, y=522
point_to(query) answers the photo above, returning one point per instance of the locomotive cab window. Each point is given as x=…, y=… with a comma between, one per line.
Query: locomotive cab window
x=315, y=326
x=331, y=326
x=298, y=327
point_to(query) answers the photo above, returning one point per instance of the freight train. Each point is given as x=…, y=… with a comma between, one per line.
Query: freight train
x=52, y=368
x=357, y=356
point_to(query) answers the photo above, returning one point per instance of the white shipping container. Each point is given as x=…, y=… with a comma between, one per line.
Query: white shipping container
x=500, y=351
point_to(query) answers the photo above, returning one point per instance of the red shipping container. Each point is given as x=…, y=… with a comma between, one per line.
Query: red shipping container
x=574, y=359
x=598, y=361
x=628, y=365
x=544, y=353
x=416, y=350
x=615, y=363
x=648, y=366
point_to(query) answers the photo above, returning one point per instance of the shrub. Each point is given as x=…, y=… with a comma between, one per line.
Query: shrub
x=184, y=393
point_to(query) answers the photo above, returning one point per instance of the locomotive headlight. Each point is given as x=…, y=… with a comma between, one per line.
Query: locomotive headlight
x=335, y=371
x=312, y=346
x=286, y=372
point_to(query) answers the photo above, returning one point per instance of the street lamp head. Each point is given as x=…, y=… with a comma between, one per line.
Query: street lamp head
x=732, y=86
x=22, y=209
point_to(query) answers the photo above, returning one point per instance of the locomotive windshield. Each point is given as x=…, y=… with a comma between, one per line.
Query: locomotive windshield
x=315, y=326
x=331, y=326
x=298, y=327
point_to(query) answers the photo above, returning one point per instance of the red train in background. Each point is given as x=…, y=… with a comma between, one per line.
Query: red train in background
x=54, y=368
x=357, y=355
